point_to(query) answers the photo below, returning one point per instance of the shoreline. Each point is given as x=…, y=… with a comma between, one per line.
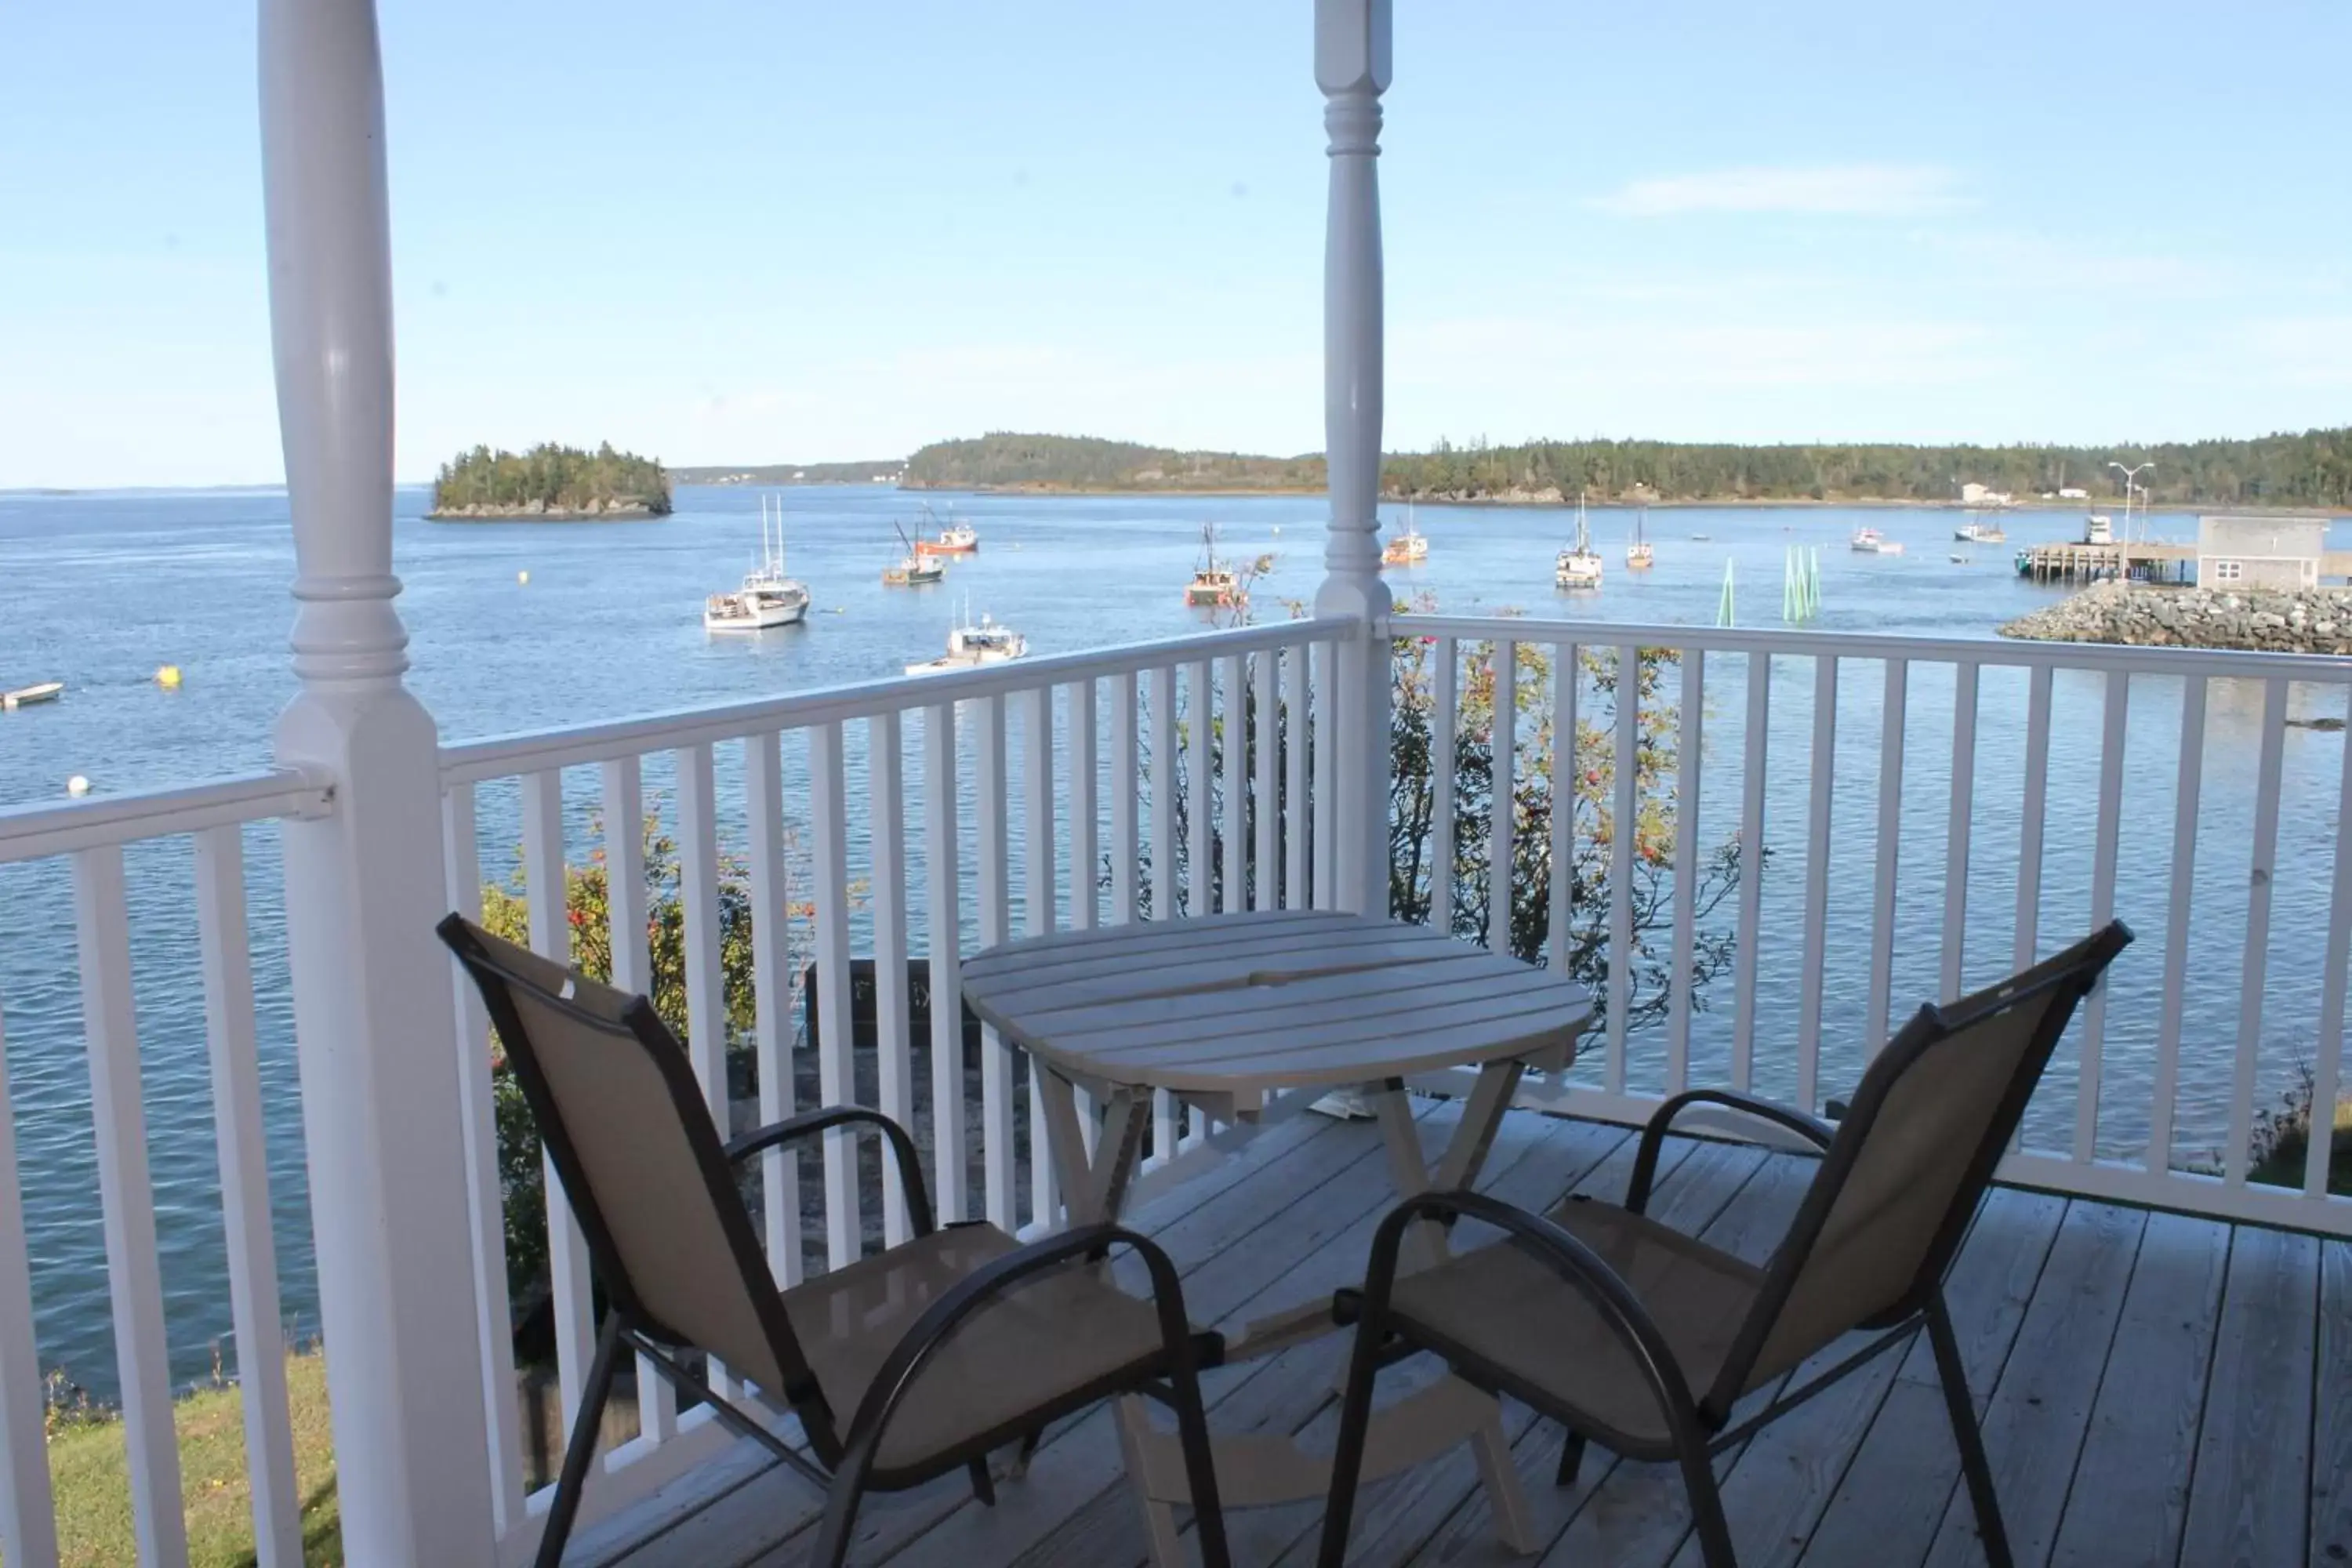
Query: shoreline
x=527, y=514
x=1714, y=503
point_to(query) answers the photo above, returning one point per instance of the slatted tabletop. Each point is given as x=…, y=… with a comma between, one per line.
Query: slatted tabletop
x=1245, y=1004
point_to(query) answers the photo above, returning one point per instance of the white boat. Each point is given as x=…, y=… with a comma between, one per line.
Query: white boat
x=973, y=643
x=1410, y=548
x=1216, y=585
x=1870, y=542
x=26, y=696
x=1974, y=533
x=768, y=599
x=1638, y=555
x=1579, y=566
x=2098, y=529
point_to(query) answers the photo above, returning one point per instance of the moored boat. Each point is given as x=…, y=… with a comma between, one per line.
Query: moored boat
x=953, y=538
x=1870, y=542
x=1579, y=566
x=1638, y=555
x=972, y=645
x=768, y=598
x=1216, y=585
x=26, y=696
x=1410, y=548
x=915, y=569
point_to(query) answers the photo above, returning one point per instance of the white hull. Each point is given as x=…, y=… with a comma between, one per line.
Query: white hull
x=948, y=663
x=759, y=618
x=1577, y=569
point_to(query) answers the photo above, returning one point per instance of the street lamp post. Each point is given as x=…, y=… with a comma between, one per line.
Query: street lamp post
x=2131, y=477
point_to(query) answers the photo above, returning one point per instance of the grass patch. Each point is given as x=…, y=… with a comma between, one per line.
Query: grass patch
x=91, y=1476
x=2282, y=1140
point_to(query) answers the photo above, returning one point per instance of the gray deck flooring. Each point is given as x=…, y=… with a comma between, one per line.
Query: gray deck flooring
x=2153, y=1389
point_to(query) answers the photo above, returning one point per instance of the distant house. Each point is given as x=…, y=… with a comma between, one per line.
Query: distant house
x=2284, y=552
x=1975, y=494
x=2073, y=492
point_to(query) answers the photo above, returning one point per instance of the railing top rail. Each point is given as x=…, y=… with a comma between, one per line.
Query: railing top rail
x=36, y=832
x=2185, y=661
x=500, y=757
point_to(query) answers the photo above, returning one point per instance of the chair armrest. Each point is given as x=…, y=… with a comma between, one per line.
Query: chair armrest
x=1580, y=1267
x=810, y=1122
x=1645, y=1161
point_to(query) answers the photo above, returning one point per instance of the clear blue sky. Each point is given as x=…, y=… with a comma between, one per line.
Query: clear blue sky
x=741, y=230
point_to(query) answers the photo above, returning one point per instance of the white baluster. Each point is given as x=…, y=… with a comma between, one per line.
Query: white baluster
x=1297, y=832
x=2327, y=1067
x=2030, y=822
x=134, y=1277
x=771, y=1005
x=622, y=781
x=1822, y=791
x=893, y=1043
x=1566, y=677
x=2092, y=1030
x=1126, y=766
x=1890, y=853
x=2255, y=965
x=1352, y=68
x=254, y=1311
x=485, y=1190
x=1085, y=853
x=551, y=938
x=1444, y=716
x=1323, y=796
x=1957, y=823
x=1681, y=990
x=28, y=1526
x=836, y=1059
x=943, y=900
x=1233, y=893
x=1500, y=815
x=996, y=919
x=1265, y=886
x=1751, y=869
x=1163, y=793
x=1627, y=770
x=1037, y=909
x=2188, y=783
x=1200, y=796
x=374, y=1006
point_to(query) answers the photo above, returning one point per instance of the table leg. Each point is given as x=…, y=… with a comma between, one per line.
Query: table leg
x=1463, y=1157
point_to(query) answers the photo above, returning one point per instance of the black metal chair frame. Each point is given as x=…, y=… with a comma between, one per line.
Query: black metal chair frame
x=841, y=1462
x=1699, y=1427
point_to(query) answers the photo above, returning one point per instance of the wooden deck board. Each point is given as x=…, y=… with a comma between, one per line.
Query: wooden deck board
x=2248, y=1499
x=2155, y=1388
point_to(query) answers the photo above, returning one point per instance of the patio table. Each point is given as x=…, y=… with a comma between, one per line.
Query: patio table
x=1246, y=1018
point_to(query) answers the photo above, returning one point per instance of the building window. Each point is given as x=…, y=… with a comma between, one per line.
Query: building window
x=2229, y=571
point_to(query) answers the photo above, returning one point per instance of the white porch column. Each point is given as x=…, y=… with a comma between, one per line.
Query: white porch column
x=1351, y=66
x=373, y=1007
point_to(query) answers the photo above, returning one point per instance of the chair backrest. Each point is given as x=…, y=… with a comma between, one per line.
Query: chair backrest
x=633, y=1142
x=1909, y=1162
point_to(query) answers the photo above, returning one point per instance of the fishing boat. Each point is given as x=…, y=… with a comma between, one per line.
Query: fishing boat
x=1974, y=533
x=1410, y=548
x=1579, y=566
x=768, y=599
x=915, y=569
x=26, y=696
x=1214, y=586
x=1638, y=555
x=953, y=539
x=973, y=644
x=2098, y=529
x=1870, y=542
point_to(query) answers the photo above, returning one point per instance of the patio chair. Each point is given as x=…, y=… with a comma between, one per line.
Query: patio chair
x=1643, y=1340
x=909, y=1364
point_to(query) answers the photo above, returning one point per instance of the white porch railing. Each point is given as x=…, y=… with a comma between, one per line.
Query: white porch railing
x=906, y=819
x=1909, y=819
x=90, y=839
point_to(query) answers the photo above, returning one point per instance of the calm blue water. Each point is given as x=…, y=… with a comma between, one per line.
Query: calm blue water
x=99, y=590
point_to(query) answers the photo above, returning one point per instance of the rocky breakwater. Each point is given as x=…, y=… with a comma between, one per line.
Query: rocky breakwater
x=2314, y=620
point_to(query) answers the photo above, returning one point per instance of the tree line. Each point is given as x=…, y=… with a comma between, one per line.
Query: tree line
x=2312, y=468
x=552, y=478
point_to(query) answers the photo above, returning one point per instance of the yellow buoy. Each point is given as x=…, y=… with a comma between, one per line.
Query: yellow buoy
x=77, y=785
x=168, y=677
x=522, y=577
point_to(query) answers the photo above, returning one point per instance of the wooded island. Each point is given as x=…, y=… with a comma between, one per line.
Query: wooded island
x=551, y=483
x=2312, y=470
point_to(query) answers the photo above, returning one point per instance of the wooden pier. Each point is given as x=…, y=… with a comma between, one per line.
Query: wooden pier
x=2078, y=562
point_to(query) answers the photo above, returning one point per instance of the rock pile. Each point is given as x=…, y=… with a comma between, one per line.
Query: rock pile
x=2314, y=620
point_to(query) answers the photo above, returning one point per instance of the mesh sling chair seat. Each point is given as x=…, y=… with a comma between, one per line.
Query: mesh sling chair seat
x=911, y=1363
x=1643, y=1340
